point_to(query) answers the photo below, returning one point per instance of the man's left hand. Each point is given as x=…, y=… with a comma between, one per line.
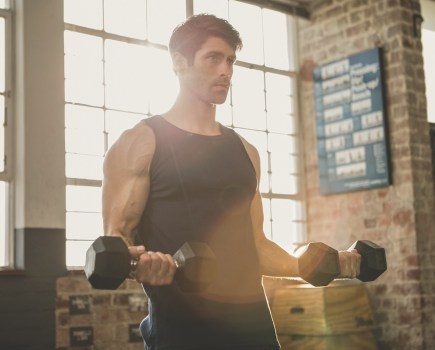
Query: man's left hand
x=350, y=262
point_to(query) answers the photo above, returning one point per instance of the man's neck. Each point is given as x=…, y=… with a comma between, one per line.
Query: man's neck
x=193, y=116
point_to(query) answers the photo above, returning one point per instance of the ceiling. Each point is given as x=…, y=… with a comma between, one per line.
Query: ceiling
x=295, y=7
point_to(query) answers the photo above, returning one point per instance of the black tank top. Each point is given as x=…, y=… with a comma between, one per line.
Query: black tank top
x=201, y=188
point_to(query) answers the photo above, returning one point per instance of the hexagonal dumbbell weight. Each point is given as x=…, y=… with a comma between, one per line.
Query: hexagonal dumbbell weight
x=108, y=264
x=373, y=260
x=318, y=264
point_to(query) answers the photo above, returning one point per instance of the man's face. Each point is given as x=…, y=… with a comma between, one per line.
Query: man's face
x=208, y=77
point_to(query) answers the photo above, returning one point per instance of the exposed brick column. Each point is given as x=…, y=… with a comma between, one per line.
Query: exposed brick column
x=399, y=217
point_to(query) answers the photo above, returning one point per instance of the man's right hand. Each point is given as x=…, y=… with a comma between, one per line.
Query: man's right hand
x=153, y=268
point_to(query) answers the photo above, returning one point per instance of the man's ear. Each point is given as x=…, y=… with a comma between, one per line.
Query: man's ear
x=179, y=63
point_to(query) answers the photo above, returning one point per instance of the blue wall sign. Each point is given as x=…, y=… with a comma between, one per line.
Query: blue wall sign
x=351, y=129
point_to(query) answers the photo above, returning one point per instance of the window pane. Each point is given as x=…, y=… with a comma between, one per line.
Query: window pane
x=279, y=104
x=118, y=122
x=84, y=166
x=163, y=16
x=283, y=212
x=86, y=13
x=126, y=76
x=282, y=143
x=84, y=142
x=278, y=92
x=267, y=222
x=259, y=140
x=83, y=45
x=247, y=20
x=126, y=17
x=3, y=233
x=276, y=50
x=84, y=69
x=85, y=226
x=2, y=134
x=84, y=118
x=162, y=82
x=224, y=113
x=2, y=54
x=428, y=38
x=248, y=98
x=83, y=199
x=78, y=92
x=283, y=168
x=298, y=229
x=76, y=252
x=218, y=8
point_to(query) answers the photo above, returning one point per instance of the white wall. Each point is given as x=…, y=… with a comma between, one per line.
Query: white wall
x=39, y=115
x=428, y=13
x=428, y=38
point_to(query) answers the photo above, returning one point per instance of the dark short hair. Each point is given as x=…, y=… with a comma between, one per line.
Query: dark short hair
x=188, y=37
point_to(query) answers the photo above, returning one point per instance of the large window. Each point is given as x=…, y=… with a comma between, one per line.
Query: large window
x=118, y=71
x=6, y=255
x=428, y=40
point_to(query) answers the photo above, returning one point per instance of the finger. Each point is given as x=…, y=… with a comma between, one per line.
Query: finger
x=358, y=265
x=348, y=265
x=171, y=268
x=159, y=269
x=167, y=269
x=155, y=268
x=163, y=269
x=163, y=275
x=136, y=251
x=154, y=263
x=172, y=264
x=355, y=260
x=143, y=268
x=355, y=264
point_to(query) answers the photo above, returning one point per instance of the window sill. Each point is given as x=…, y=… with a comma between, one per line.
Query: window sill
x=11, y=271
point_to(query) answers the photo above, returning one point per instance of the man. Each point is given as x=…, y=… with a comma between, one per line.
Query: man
x=183, y=177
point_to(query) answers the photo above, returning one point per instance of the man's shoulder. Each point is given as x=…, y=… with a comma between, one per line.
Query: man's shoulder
x=135, y=146
x=139, y=135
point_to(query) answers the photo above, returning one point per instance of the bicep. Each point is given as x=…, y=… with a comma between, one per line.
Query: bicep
x=126, y=185
x=257, y=216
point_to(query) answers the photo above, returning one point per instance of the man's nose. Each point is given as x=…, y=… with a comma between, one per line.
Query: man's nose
x=226, y=69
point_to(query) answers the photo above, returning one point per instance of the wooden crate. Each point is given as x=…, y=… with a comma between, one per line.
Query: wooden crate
x=353, y=341
x=340, y=308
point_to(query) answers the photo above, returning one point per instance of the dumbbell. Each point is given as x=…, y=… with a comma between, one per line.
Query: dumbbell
x=108, y=264
x=319, y=264
x=373, y=260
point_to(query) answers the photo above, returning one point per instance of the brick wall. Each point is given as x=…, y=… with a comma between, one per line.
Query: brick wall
x=98, y=319
x=399, y=217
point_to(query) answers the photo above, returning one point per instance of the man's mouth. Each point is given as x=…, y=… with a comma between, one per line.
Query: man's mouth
x=223, y=85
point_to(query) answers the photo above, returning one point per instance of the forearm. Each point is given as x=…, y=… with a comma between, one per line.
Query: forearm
x=275, y=261
x=127, y=237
